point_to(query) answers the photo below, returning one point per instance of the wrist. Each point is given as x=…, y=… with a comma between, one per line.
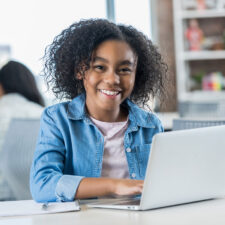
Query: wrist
x=112, y=186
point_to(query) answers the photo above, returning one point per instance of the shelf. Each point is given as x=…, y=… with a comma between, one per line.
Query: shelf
x=203, y=96
x=204, y=55
x=213, y=13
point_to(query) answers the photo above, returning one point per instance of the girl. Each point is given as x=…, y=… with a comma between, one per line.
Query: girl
x=97, y=144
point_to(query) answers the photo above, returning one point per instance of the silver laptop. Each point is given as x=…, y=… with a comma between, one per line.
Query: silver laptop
x=184, y=166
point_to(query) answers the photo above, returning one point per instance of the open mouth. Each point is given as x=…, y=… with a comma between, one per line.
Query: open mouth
x=109, y=93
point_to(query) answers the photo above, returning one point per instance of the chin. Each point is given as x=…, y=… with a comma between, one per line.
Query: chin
x=109, y=107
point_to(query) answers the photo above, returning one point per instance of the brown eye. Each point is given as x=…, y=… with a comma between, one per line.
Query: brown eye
x=99, y=67
x=125, y=70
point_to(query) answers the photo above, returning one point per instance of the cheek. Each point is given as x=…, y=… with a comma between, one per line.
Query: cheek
x=129, y=83
x=85, y=84
x=90, y=82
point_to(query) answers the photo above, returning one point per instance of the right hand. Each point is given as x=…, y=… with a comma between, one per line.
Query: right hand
x=127, y=187
x=96, y=187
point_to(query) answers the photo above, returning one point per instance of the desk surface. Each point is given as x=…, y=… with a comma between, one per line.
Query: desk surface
x=200, y=213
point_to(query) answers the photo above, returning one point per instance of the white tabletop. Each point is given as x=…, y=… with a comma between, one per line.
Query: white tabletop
x=200, y=213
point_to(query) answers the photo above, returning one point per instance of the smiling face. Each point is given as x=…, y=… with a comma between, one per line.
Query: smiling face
x=110, y=80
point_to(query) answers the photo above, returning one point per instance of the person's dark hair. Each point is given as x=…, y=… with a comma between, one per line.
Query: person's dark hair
x=71, y=53
x=17, y=78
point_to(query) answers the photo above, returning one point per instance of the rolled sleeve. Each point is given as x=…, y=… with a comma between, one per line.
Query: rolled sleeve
x=66, y=187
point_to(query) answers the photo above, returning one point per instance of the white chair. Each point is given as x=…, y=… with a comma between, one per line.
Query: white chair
x=17, y=154
x=204, y=109
x=181, y=124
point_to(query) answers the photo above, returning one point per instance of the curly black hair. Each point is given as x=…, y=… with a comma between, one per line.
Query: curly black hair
x=71, y=53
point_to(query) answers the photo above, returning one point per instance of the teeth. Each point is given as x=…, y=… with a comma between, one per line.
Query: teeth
x=110, y=92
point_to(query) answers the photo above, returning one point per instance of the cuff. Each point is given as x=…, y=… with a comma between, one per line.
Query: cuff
x=66, y=187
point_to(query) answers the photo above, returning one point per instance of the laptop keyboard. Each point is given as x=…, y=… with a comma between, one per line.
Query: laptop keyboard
x=128, y=202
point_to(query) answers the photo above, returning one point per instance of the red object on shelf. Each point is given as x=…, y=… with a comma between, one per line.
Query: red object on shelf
x=201, y=4
x=194, y=35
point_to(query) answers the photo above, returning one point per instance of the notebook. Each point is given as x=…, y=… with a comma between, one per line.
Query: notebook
x=30, y=207
x=184, y=166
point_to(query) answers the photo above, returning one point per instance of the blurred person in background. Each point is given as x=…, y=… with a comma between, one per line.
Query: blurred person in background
x=19, y=98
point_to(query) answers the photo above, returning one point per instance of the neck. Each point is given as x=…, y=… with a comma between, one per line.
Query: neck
x=109, y=115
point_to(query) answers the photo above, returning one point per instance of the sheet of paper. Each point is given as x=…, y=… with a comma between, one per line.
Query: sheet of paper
x=30, y=207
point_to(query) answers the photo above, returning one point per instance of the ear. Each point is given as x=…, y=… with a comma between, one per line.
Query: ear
x=79, y=76
x=81, y=72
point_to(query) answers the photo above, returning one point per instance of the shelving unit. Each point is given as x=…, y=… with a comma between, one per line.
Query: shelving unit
x=207, y=13
x=204, y=55
x=200, y=60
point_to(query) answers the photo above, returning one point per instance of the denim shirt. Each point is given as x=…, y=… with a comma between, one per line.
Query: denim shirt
x=70, y=147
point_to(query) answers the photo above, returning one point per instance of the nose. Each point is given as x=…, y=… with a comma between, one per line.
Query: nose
x=112, y=78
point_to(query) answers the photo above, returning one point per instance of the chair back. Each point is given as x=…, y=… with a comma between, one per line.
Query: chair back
x=205, y=109
x=181, y=124
x=17, y=154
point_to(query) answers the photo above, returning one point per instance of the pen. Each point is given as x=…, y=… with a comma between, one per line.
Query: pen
x=45, y=206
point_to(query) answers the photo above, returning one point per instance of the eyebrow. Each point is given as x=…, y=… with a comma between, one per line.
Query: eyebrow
x=125, y=62
x=98, y=58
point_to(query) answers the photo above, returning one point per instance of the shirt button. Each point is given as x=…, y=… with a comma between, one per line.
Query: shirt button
x=128, y=149
x=133, y=175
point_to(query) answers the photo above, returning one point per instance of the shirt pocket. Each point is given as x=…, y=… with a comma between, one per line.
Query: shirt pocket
x=142, y=153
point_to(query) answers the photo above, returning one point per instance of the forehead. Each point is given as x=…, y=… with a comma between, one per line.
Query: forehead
x=115, y=50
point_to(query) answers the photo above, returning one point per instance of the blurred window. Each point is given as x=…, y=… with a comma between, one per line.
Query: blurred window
x=28, y=26
x=135, y=13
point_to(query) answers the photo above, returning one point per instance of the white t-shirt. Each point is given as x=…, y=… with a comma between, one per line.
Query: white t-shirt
x=114, y=159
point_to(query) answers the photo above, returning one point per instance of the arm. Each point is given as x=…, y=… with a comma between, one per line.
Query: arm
x=93, y=187
x=47, y=179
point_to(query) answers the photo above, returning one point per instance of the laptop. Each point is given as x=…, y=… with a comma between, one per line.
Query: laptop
x=184, y=166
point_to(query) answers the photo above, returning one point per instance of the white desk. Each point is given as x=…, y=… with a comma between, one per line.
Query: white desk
x=202, y=213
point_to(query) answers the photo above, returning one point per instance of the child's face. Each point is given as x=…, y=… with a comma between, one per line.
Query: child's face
x=110, y=79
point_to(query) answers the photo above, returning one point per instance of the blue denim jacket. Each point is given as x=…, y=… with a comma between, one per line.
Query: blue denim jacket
x=70, y=147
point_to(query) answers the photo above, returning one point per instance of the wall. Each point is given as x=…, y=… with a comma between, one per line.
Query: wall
x=166, y=45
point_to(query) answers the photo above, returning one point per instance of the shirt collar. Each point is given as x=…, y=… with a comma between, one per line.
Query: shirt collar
x=77, y=111
x=139, y=116
x=76, y=108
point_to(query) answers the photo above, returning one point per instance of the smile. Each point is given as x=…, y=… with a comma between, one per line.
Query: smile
x=110, y=93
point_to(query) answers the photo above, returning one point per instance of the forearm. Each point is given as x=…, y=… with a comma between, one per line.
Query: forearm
x=94, y=187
